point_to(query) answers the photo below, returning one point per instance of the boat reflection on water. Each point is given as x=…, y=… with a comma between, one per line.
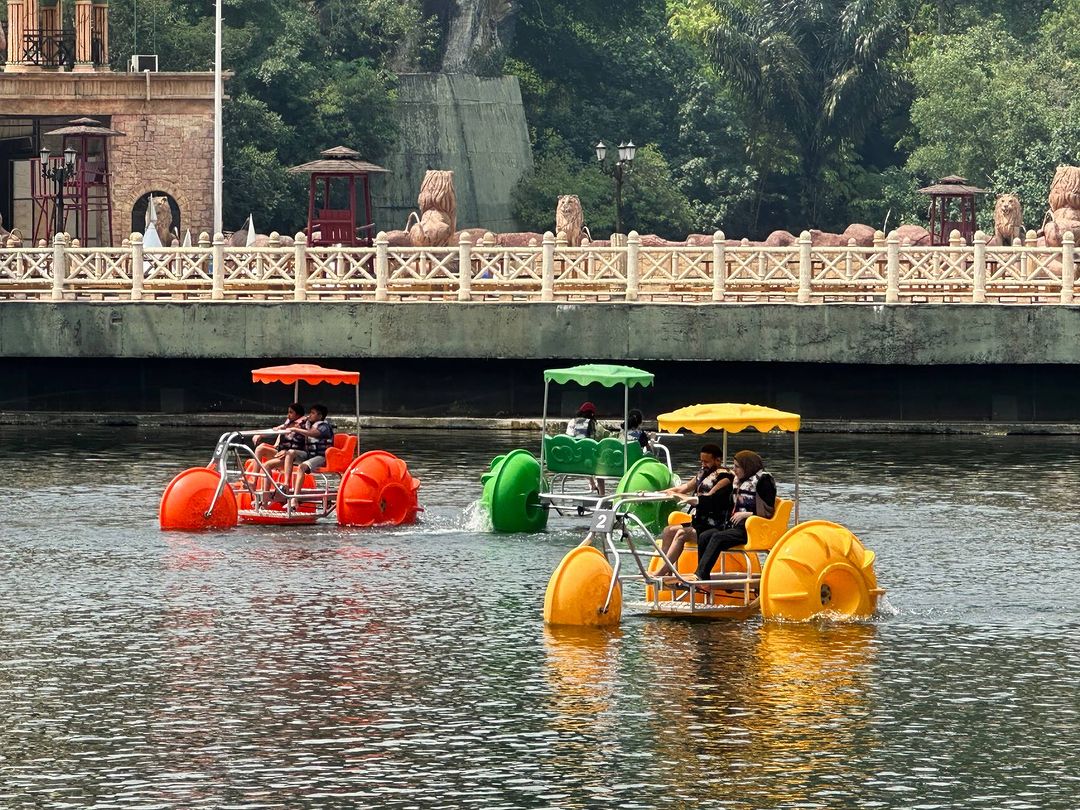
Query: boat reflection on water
x=582, y=670
x=765, y=713
x=811, y=690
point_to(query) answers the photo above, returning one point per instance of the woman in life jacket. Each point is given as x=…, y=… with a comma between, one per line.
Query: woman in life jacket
x=709, y=495
x=754, y=494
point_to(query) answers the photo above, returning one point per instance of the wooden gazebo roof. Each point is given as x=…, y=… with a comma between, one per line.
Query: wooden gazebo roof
x=339, y=160
x=953, y=184
x=85, y=126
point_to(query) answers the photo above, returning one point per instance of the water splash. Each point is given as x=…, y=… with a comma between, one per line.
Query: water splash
x=475, y=518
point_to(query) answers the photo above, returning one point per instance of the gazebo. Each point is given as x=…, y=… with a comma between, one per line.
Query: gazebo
x=332, y=198
x=85, y=183
x=952, y=207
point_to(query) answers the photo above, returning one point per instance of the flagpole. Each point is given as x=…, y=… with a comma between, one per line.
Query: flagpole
x=218, y=159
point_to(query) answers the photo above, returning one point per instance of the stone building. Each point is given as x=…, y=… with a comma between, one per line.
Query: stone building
x=52, y=76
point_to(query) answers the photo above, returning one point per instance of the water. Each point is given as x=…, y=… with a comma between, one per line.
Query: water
x=323, y=667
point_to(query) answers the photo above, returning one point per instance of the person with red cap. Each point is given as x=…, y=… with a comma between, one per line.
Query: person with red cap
x=583, y=426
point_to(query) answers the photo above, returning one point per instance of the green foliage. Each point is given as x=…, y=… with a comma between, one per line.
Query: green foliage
x=821, y=71
x=997, y=111
x=652, y=200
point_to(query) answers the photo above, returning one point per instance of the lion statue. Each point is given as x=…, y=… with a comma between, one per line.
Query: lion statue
x=569, y=219
x=1064, y=199
x=1008, y=219
x=164, y=219
x=437, y=221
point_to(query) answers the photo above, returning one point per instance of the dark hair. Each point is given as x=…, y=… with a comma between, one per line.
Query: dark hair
x=321, y=409
x=750, y=462
x=633, y=419
x=713, y=450
x=296, y=407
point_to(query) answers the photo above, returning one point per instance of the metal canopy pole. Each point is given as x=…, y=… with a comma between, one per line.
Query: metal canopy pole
x=356, y=451
x=723, y=459
x=625, y=424
x=543, y=424
x=796, y=477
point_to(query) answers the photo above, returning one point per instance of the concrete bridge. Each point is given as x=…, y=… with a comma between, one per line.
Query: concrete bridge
x=831, y=361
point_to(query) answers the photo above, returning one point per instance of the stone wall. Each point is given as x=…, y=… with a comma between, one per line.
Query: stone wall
x=168, y=123
x=470, y=125
x=164, y=151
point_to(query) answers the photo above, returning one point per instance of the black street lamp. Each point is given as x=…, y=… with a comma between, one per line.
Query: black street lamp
x=59, y=175
x=616, y=170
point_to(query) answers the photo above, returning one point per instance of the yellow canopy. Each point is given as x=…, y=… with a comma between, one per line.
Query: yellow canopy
x=727, y=416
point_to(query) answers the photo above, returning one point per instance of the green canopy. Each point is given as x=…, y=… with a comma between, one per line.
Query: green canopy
x=598, y=373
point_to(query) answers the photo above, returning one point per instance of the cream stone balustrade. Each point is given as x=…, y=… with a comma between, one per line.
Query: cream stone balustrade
x=887, y=272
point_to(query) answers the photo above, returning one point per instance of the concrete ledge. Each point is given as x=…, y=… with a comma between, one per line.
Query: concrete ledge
x=930, y=334
x=225, y=421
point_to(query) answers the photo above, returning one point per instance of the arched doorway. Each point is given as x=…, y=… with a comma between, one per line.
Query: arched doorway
x=140, y=216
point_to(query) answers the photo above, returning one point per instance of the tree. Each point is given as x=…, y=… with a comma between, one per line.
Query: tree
x=1000, y=112
x=821, y=71
x=652, y=200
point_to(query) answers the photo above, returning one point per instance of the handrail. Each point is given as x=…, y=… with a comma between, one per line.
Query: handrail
x=723, y=272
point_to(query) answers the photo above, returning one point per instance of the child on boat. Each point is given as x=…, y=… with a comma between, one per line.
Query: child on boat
x=294, y=419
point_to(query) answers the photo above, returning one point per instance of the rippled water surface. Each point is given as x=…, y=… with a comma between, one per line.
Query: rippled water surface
x=323, y=667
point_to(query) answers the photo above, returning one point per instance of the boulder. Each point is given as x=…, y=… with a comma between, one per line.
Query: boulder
x=862, y=234
x=780, y=239
x=519, y=238
x=913, y=235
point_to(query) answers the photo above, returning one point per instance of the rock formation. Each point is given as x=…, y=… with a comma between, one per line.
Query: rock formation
x=472, y=31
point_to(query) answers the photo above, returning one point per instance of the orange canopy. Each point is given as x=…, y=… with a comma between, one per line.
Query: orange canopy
x=305, y=372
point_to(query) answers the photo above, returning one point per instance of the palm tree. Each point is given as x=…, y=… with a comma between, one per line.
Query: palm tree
x=819, y=70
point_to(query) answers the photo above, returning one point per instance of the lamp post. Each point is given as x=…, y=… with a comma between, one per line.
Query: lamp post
x=616, y=170
x=59, y=175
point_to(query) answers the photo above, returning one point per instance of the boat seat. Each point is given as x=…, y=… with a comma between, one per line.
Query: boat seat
x=762, y=533
x=341, y=454
x=583, y=456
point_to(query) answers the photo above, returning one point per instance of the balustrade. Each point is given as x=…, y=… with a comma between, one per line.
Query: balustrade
x=721, y=272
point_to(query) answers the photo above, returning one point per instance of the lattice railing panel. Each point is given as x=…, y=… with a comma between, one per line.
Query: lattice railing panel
x=27, y=270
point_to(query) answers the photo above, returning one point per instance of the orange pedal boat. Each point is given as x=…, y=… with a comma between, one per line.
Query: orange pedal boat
x=371, y=489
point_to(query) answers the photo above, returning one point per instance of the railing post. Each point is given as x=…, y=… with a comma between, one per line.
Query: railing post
x=217, y=287
x=719, y=266
x=300, y=271
x=137, y=271
x=59, y=267
x=464, y=292
x=382, y=265
x=804, y=267
x=978, y=295
x=1068, y=267
x=633, y=251
x=547, y=268
x=892, y=268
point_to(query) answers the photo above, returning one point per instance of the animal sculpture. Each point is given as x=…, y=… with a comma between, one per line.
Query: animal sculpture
x=437, y=221
x=1008, y=219
x=569, y=219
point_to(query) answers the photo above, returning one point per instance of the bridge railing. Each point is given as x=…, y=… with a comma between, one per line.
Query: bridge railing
x=719, y=271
